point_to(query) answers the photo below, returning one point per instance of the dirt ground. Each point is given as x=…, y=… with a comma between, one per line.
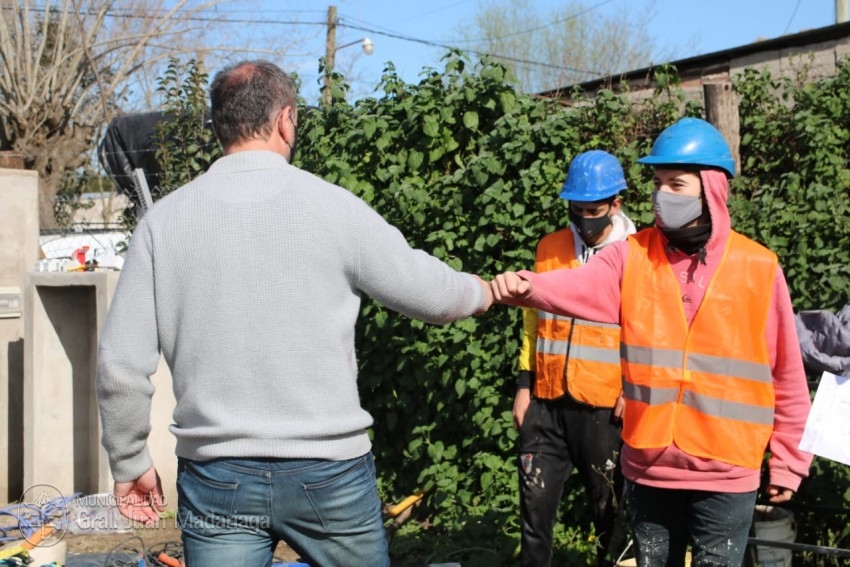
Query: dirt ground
x=156, y=537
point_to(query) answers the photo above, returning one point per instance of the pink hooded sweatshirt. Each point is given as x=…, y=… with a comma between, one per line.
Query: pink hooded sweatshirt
x=592, y=292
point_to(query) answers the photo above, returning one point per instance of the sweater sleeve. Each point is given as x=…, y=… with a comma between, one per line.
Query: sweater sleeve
x=590, y=292
x=788, y=463
x=128, y=355
x=407, y=280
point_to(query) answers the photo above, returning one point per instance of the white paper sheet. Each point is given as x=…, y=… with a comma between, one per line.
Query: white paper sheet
x=827, y=432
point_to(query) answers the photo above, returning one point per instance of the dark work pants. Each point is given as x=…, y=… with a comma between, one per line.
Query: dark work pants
x=555, y=437
x=665, y=521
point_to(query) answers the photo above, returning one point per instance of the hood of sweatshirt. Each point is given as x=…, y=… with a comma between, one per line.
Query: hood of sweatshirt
x=715, y=192
x=715, y=187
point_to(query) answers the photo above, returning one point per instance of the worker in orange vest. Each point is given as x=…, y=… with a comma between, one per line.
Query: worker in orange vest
x=570, y=378
x=713, y=375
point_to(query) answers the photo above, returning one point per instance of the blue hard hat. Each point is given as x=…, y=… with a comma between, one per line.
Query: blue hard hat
x=593, y=176
x=691, y=141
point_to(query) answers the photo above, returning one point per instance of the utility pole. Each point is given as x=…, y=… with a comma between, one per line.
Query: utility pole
x=840, y=11
x=721, y=110
x=330, y=53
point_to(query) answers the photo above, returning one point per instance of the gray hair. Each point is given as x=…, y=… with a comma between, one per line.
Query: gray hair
x=246, y=97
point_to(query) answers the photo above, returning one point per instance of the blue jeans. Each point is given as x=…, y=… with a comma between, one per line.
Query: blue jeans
x=664, y=521
x=235, y=511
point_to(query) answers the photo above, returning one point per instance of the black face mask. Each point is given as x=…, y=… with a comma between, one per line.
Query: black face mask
x=293, y=146
x=689, y=240
x=589, y=228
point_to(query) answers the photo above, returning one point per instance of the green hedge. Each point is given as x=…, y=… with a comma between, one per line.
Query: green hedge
x=469, y=170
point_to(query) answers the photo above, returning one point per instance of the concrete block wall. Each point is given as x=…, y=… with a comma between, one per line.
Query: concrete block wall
x=820, y=59
x=66, y=314
x=842, y=51
x=18, y=255
x=49, y=425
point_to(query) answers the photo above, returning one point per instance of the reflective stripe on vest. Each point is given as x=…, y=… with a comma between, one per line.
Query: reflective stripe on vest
x=706, y=387
x=573, y=355
x=586, y=352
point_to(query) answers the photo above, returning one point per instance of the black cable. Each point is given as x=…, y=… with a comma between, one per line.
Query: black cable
x=818, y=549
x=126, y=555
x=796, y=506
x=172, y=549
x=791, y=19
x=540, y=27
x=341, y=24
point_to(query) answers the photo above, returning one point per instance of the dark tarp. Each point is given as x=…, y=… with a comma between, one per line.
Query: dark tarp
x=129, y=145
x=825, y=340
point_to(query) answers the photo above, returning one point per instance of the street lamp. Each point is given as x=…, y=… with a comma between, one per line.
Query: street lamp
x=366, y=43
x=330, y=52
x=368, y=48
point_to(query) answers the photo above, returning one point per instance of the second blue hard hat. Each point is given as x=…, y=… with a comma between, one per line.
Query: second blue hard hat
x=691, y=141
x=593, y=176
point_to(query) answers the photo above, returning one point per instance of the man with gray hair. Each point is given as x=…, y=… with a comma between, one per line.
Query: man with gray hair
x=271, y=438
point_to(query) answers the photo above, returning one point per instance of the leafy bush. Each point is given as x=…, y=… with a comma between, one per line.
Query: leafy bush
x=469, y=170
x=794, y=195
x=184, y=143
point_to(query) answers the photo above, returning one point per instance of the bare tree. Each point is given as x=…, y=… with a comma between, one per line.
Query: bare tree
x=569, y=45
x=69, y=65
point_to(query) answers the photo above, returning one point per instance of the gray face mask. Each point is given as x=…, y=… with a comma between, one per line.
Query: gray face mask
x=675, y=211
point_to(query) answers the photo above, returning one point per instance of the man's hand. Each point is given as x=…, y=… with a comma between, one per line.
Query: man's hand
x=521, y=403
x=488, y=294
x=141, y=500
x=507, y=287
x=777, y=494
x=619, y=407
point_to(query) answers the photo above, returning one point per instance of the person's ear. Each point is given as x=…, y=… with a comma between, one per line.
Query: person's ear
x=285, y=126
x=282, y=122
x=615, y=206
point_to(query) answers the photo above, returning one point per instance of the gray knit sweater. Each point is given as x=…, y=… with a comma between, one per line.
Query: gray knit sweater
x=249, y=281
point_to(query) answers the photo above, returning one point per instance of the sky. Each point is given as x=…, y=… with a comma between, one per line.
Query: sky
x=401, y=30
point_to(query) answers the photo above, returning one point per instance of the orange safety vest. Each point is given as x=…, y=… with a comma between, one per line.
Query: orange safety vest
x=574, y=355
x=707, y=388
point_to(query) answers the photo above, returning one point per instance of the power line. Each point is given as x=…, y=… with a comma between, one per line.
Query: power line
x=791, y=19
x=420, y=15
x=523, y=32
x=479, y=53
x=538, y=28
x=473, y=51
x=137, y=16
